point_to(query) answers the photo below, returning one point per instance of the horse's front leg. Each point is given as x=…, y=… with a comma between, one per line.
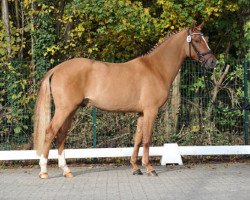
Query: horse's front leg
x=137, y=143
x=148, y=122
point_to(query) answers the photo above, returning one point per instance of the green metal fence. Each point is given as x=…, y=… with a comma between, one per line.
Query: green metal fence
x=204, y=108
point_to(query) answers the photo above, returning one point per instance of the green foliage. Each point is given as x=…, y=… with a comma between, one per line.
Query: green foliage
x=44, y=36
x=203, y=121
x=247, y=38
x=16, y=102
x=119, y=30
x=111, y=31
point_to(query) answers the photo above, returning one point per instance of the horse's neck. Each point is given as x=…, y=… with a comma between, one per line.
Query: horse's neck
x=169, y=56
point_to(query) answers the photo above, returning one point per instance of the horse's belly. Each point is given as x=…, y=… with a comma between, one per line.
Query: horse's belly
x=116, y=101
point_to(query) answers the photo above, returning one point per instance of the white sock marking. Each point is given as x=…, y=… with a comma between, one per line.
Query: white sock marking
x=43, y=164
x=62, y=163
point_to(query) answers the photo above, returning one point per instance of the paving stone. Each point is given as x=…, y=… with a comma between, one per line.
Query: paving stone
x=201, y=182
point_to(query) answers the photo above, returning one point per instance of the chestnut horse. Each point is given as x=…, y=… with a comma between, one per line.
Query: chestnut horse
x=140, y=85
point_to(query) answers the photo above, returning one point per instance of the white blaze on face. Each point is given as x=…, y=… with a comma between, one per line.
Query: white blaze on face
x=205, y=42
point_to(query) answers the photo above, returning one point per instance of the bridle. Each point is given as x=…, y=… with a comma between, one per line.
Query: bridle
x=200, y=56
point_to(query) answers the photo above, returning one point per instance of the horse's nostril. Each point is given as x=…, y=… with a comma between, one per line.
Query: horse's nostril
x=213, y=63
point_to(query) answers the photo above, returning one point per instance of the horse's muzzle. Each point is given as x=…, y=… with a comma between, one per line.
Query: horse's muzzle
x=210, y=63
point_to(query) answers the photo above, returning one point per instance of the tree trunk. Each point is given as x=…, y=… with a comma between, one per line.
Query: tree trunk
x=5, y=18
x=32, y=32
x=20, y=54
x=61, y=10
x=210, y=124
x=17, y=14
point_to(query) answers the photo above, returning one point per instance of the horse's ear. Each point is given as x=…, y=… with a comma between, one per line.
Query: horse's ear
x=192, y=27
x=200, y=27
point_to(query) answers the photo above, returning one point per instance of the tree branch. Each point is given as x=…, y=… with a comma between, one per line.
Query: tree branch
x=219, y=82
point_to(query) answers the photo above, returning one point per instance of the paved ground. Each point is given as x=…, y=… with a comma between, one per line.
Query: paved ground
x=210, y=181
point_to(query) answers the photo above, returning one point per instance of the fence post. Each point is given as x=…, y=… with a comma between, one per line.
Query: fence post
x=171, y=154
x=246, y=101
x=94, y=126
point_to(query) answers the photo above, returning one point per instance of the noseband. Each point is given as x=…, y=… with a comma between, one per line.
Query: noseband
x=200, y=56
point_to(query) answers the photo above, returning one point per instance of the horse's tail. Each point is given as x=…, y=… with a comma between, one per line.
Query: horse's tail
x=42, y=112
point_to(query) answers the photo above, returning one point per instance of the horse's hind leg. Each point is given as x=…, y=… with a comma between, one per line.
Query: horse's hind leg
x=58, y=120
x=137, y=143
x=61, y=137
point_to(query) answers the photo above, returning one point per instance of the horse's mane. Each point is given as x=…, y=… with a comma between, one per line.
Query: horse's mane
x=166, y=37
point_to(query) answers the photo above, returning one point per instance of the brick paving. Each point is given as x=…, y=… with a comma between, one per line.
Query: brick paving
x=201, y=182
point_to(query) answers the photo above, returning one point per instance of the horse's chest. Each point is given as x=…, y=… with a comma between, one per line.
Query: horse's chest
x=155, y=97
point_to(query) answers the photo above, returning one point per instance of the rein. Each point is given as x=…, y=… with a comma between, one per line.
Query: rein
x=200, y=56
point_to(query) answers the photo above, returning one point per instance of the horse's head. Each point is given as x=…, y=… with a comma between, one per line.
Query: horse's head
x=197, y=47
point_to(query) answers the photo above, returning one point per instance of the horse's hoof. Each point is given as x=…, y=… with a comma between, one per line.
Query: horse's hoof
x=68, y=175
x=44, y=175
x=152, y=173
x=137, y=172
